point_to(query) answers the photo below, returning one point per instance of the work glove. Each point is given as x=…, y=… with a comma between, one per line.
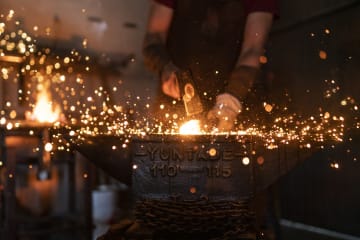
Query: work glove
x=228, y=105
x=225, y=112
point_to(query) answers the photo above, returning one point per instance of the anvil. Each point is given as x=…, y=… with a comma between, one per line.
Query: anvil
x=218, y=167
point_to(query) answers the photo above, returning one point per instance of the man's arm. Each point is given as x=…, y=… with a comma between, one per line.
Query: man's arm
x=257, y=28
x=158, y=23
x=228, y=105
x=154, y=49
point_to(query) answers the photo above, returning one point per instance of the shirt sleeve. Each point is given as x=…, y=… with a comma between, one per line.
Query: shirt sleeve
x=168, y=3
x=262, y=6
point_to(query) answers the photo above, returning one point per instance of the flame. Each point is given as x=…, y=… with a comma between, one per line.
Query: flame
x=45, y=111
x=191, y=127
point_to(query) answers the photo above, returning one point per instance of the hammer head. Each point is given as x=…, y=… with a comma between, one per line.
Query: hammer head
x=189, y=94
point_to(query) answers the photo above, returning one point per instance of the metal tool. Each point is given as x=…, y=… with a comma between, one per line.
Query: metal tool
x=189, y=94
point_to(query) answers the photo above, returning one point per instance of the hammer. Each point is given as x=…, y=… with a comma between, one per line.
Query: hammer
x=189, y=94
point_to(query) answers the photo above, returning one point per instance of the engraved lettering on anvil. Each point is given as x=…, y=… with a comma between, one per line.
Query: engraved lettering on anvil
x=168, y=170
x=172, y=160
x=164, y=170
x=190, y=169
x=185, y=153
x=218, y=171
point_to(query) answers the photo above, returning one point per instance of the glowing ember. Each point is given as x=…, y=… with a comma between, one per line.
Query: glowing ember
x=48, y=147
x=191, y=127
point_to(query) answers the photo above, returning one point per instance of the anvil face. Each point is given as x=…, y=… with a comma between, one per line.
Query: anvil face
x=192, y=167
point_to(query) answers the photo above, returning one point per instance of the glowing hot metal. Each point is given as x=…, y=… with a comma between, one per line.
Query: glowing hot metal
x=191, y=127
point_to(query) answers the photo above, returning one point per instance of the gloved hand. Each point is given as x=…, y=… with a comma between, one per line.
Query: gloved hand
x=225, y=112
x=228, y=105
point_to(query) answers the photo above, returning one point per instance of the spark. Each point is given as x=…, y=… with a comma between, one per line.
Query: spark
x=95, y=115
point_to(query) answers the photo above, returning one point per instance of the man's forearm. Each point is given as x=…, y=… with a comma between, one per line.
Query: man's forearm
x=154, y=46
x=257, y=28
x=250, y=58
x=155, y=52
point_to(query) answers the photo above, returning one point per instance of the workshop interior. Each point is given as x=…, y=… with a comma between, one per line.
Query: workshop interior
x=83, y=154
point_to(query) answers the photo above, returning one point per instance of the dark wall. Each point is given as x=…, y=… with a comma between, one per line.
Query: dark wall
x=316, y=193
x=293, y=54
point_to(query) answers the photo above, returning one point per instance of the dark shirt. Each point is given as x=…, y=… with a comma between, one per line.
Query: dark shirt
x=250, y=5
x=205, y=37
